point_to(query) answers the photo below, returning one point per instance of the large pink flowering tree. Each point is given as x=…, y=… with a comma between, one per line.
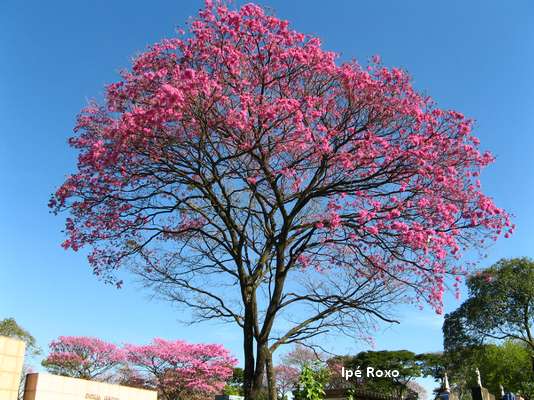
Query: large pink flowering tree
x=180, y=370
x=243, y=172
x=83, y=357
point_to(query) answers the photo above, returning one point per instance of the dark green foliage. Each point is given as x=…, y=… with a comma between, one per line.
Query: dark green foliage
x=235, y=385
x=431, y=364
x=507, y=364
x=500, y=306
x=408, y=364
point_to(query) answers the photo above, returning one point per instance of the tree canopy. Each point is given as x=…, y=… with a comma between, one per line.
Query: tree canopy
x=83, y=357
x=506, y=364
x=10, y=328
x=500, y=306
x=407, y=363
x=182, y=371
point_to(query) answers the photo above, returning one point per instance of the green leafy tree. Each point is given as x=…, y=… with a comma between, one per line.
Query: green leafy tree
x=500, y=306
x=432, y=364
x=10, y=328
x=459, y=366
x=506, y=364
x=312, y=381
x=405, y=362
x=235, y=385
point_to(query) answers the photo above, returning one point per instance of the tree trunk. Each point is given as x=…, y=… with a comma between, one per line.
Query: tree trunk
x=248, y=352
x=271, y=375
x=257, y=383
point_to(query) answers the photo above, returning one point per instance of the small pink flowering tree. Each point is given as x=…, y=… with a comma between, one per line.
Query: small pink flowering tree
x=180, y=370
x=242, y=172
x=301, y=355
x=83, y=357
x=287, y=379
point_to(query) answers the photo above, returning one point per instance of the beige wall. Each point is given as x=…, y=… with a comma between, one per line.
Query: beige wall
x=53, y=387
x=11, y=361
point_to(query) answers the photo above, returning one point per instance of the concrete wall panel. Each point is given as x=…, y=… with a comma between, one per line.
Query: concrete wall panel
x=11, y=361
x=53, y=387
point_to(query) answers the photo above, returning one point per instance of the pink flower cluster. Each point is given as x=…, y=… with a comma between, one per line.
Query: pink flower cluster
x=287, y=378
x=183, y=368
x=83, y=357
x=175, y=367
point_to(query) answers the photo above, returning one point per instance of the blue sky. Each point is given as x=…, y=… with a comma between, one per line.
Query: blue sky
x=476, y=57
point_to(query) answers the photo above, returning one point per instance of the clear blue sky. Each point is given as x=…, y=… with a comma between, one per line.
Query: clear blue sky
x=474, y=56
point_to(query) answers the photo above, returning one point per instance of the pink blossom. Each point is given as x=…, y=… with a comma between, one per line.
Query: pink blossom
x=179, y=370
x=83, y=357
